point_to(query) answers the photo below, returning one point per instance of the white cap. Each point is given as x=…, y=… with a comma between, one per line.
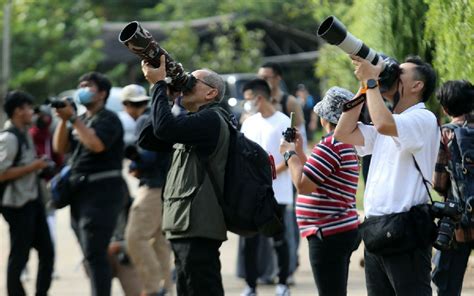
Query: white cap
x=134, y=93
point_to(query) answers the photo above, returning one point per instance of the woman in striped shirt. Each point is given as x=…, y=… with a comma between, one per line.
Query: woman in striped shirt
x=326, y=204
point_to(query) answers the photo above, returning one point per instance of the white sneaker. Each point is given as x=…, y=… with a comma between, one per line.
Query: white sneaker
x=282, y=290
x=249, y=292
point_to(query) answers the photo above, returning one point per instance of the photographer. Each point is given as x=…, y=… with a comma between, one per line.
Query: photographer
x=192, y=217
x=456, y=98
x=96, y=142
x=20, y=202
x=325, y=207
x=148, y=248
x=399, y=142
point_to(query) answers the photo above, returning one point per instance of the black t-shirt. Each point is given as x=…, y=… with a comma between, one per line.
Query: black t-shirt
x=108, y=128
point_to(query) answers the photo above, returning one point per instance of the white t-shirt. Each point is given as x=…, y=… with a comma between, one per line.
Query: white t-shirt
x=394, y=184
x=267, y=132
x=129, y=128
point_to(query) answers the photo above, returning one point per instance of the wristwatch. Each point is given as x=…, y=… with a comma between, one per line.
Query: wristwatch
x=72, y=119
x=287, y=155
x=372, y=83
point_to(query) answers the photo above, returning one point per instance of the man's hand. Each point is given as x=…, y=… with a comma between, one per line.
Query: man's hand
x=364, y=70
x=114, y=248
x=39, y=164
x=153, y=75
x=286, y=146
x=66, y=112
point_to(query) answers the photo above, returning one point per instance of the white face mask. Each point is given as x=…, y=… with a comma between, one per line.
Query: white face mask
x=250, y=106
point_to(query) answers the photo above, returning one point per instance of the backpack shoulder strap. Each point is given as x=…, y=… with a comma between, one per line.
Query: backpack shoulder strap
x=21, y=141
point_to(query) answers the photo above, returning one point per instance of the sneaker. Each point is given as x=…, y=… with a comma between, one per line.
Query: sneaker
x=249, y=292
x=282, y=290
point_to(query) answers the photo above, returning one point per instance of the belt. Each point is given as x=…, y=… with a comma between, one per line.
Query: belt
x=103, y=175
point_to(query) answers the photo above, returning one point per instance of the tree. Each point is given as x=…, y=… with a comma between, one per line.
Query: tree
x=53, y=43
x=450, y=29
x=391, y=27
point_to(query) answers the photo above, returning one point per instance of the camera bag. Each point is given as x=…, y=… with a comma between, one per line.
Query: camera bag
x=399, y=232
x=247, y=199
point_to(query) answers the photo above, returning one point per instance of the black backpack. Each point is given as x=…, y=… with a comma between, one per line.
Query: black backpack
x=248, y=201
x=461, y=169
x=21, y=140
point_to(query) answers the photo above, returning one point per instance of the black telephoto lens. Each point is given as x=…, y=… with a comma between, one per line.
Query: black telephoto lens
x=139, y=41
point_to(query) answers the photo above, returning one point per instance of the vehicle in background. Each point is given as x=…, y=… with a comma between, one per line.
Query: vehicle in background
x=234, y=98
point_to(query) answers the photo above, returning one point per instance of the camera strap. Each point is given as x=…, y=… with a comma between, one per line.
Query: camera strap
x=425, y=182
x=353, y=103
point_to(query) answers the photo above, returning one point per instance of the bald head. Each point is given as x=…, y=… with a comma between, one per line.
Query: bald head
x=213, y=80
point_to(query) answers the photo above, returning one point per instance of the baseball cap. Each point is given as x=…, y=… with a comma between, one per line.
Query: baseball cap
x=330, y=107
x=134, y=93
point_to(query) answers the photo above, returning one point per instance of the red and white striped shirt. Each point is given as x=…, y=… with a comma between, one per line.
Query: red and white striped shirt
x=331, y=208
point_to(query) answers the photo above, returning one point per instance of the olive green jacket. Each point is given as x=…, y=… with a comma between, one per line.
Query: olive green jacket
x=190, y=205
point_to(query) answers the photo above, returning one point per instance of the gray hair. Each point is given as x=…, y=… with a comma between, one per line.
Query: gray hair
x=215, y=80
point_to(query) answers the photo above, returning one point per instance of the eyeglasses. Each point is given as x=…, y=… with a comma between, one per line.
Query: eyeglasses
x=205, y=83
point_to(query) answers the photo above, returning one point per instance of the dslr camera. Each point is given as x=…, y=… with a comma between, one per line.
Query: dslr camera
x=334, y=32
x=61, y=103
x=449, y=213
x=139, y=41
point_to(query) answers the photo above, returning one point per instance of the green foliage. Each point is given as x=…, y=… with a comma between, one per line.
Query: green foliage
x=235, y=49
x=52, y=43
x=450, y=28
x=392, y=27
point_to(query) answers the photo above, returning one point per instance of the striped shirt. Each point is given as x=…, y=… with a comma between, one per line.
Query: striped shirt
x=331, y=208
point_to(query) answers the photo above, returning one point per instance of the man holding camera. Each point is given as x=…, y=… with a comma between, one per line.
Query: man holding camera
x=148, y=248
x=404, y=145
x=20, y=201
x=192, y=217
x=96, y=145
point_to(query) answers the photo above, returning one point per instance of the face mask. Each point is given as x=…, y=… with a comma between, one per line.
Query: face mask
x=251, y=106
x=83, y=95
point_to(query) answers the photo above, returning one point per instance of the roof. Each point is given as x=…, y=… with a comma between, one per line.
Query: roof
x=282, y=43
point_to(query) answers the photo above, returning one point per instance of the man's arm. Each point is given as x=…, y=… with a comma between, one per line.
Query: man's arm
x=346, y=129
x=88, y=137
x=61, y=138
x=20, y=171
x=381, y=117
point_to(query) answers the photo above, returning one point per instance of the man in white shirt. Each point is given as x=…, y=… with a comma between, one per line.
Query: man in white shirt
x=396, y=140
x=265, y=128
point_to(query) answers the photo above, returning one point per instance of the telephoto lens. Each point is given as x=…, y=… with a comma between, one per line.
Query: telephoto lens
x=334, y=32
x=139, y=41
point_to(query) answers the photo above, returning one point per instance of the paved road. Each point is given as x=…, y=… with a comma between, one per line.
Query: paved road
x=72, y=280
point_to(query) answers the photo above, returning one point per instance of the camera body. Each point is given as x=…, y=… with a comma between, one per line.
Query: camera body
x=290, y=133
x=450, y=214
x=139, y=41
x=61, y=103
x=49, y=171
x=131, y=152
x=334, y=32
